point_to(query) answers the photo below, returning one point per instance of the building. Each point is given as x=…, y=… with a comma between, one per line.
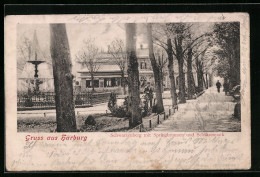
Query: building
x=108, y=76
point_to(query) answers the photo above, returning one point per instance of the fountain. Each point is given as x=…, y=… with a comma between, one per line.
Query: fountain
x=36, y=63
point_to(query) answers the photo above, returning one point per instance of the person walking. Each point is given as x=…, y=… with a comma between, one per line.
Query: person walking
x=218, y=84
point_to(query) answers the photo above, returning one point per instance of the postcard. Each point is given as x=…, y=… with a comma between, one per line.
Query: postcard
x=111, y=92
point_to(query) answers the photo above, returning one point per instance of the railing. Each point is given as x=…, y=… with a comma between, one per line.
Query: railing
x=46, y=100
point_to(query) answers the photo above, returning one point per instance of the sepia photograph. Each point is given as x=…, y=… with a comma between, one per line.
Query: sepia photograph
x=109, y=92
x=177, y=77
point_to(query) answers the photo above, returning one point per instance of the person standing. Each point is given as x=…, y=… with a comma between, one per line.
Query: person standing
x=218, y=84
x=148, y=91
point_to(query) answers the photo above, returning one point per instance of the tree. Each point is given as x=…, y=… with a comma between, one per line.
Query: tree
x=117, y=50
x=179, y=31
x=161, y=61
x=60, y=54
x=183, y=40
x=133, y=76
x=190, y=79
x=160, y=36
x=88, y=57
x=227, y=37
x=171, y=72
x=201, y=62
x=156, y=71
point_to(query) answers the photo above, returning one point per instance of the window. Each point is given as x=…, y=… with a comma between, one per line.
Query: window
x=111, y=82
x=143, y=65
x=96, y=83
x=107, y=82
x=89, y=83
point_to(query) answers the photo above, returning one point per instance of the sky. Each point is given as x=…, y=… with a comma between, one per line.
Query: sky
x=103, y=34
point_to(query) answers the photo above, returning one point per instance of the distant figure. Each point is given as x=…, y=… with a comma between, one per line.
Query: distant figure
x=218, y=84
x=148, y=91
x=226, y=88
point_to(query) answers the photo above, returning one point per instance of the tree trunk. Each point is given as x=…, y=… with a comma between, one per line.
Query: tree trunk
x=156, y=72
x=123, y=82
x=190, y=79
x=92, y=82
x=179, y=56
x=210, y=79
x=204, y=81
x=181, y=83
x=199, y=75
x=171, y=72
x=61, y=62
x=207, y=82
x=161, y=76
x=133, y=76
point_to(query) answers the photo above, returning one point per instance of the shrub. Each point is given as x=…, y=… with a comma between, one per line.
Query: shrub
x=120, y=112
x=90, y=120
x=78, y=100
x=146, y=110
x=112, y=102
x=237, y=111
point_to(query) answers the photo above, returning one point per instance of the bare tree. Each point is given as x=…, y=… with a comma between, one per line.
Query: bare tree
x=24, y=52
x=161, y=61
x=61, y=59
x=190, y=79
x=201, y=63
x=117, y=50
x=156, y=71
x=88, y=57
x=226, y=36
x=183, y=40
x=162, y=39
x=133, y=76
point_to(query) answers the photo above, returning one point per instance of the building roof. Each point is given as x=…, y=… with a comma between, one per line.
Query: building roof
x=104, y=68
x=142, y=53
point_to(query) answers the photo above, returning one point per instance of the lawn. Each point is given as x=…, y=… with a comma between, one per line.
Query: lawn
x=104, y=123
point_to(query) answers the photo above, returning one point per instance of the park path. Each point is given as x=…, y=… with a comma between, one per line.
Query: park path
x=210, y=112
x=97, y=109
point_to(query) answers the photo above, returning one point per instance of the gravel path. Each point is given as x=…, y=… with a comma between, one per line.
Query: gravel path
x=211, y=112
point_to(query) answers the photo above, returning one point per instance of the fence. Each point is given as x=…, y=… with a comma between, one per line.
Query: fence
x=152, y=122
x=46, y=100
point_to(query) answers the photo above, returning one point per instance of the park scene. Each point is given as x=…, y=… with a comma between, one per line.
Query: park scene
x=168, y=77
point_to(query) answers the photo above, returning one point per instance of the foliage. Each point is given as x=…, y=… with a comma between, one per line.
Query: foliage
x=112, y=102
x=117, y=111
x=78, y=100
x=90, y=120
x=237, y=111
x=146, y=110
x=227, y=38
x=120, y=112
